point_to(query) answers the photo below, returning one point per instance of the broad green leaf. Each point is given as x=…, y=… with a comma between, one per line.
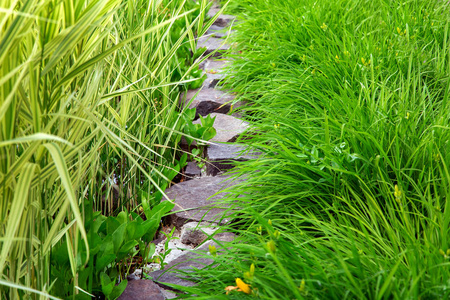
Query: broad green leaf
x=118, y=236
x=103, y=261
x=107, y=284
x=118, y=290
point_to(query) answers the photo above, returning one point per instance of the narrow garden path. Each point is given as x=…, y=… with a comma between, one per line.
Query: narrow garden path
x=197, y=214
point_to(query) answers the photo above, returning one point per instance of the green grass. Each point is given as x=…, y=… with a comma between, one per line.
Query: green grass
x=349, y=104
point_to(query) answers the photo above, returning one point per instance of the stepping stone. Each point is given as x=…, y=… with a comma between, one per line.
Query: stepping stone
x=188, y=262
x=212, y=44
x=223, y=156
x=212, y=79
x=222, y=20
x=213, y=64
x=192, y=170
x=194, y=201
x=208, y=101
x=228, y=128
x=214, y=72
x=218, y=31
x=142, y=290
x=194, y=233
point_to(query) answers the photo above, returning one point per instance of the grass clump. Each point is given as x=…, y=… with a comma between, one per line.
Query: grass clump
x=349, y=104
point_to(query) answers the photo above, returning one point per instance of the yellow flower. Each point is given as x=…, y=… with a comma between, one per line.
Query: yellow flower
x=276, y=234
x=243, y=286
x=324, y=26
x=212, y=250
x=302, y=286
x=437, y=157
x=271, y=246
x=399, y=30
x=397, y=193
x=259, y=229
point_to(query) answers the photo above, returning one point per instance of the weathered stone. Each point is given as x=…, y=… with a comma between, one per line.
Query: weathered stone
x=208, y=101
x=212, y=44
x=215, y=65
x=222, y=20
x=189, y=261
x=192, y=170
x=195, y=200
x=195, y=233
x=142, y=290
x=228, y=128
x=218, y=31
x=223, y=156
x=168, y=294
x=212, y=79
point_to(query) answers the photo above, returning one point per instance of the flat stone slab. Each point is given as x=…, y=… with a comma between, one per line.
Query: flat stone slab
x=223, y=156
x=188, y=261
x=194, y=233
x=212, y=44
x=214, y=72
x=142, y=290
x=212, y=79
x=218, y=31
x=228, y=128
x=222, y=20
x=208, y=100
x=192, y=170
x=195, y=200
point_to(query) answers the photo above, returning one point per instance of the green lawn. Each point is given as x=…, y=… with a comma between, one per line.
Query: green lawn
x=349, y=102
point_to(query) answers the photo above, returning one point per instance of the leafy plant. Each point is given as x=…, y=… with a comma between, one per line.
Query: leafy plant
x=113, y=242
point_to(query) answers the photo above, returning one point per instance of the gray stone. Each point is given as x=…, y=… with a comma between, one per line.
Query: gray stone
x=194, y=233
x=168, y=294
x=215, y=64
x=208, y=101
x=218, y=31
x=222, y=20
x=212, y=44
x=195, y=200
x=228, y=128
x=212, y=79
x=223, y=156
x=189, y=261
x=214, y=72
x=192, y=170
x=142, y=290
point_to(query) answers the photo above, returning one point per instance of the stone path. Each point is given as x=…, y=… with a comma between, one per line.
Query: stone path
x=198, y=212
